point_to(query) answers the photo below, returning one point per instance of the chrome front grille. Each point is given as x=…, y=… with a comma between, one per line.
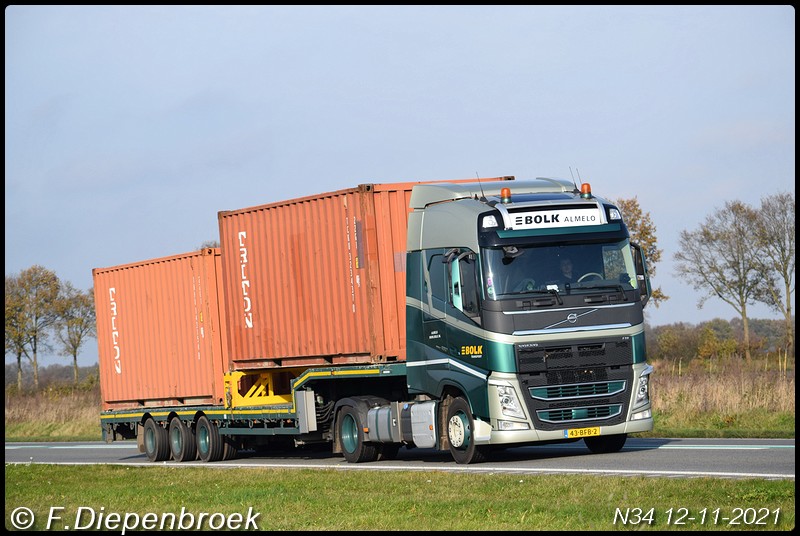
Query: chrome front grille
x=580, y=390
x=570, y=415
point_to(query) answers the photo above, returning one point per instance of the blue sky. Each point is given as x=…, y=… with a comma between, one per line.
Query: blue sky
x=128, y=128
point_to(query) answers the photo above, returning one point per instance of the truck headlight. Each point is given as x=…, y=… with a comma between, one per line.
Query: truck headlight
x=643, y=389
x=509, y=403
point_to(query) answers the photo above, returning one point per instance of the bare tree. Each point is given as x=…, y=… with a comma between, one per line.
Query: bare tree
x=76, y=321
x=776, y=239
x=38, y=294
x=16, y=336
x=643, y=232
x=721, y=259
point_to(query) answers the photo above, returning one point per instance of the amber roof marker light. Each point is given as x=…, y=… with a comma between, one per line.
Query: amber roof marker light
x=586, y=190
x=505, y=195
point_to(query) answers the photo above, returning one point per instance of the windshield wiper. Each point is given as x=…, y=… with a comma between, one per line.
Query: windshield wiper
x=555, y=293
x=552, y=291
x=606, y=286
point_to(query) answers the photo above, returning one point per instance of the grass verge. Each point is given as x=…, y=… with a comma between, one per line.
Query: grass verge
x=397, y=501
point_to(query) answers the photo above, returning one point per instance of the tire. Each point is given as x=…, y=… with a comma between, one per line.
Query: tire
x=460, y=434
x=209, y=441
x=156, y=441
x=229, y=448
x=350, y=432
x=182, y=442
x=606, y=444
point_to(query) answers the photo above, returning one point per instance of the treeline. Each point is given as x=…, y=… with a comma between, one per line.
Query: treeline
x=45, y=314
x=683, y=345
x=743, y=255
x=53, y=376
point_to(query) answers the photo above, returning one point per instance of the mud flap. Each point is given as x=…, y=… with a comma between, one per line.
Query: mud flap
x=140, y=437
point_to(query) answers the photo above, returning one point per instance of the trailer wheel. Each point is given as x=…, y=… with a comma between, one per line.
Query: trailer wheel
x=351, y=435
x=182, y=442
x=156, y=442
x=209, y=440
x=606, y=444
x=460, y=428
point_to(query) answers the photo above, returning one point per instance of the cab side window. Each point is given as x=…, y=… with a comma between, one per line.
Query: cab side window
x=437, y=277
x=462, y=283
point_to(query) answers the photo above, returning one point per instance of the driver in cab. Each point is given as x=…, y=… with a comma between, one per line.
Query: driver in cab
x=566, y=270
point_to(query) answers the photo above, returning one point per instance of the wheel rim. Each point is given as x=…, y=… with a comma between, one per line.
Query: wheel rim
x=349, y=433
x=177, y=440
x=202, y=440
x=150, y=440
x=458, y=431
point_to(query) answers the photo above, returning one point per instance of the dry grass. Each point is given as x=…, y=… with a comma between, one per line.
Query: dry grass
x=731, y=388
x=55, y=414
x=726, y=398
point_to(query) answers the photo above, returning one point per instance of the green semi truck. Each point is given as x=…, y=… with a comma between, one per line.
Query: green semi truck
x=463, y=316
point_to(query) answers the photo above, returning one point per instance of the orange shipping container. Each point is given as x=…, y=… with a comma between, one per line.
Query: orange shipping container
x=160, y=331
x=318, y=280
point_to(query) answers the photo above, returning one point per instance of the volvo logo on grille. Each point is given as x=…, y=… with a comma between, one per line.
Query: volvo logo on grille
x=572, y=318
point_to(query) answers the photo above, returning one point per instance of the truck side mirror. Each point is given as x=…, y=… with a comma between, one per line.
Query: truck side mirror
x=642, y=277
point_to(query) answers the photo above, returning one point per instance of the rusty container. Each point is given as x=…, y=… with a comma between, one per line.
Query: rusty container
x=160, y=331
x=318, y=280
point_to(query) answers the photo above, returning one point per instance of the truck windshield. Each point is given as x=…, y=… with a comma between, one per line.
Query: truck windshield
x=570, y=268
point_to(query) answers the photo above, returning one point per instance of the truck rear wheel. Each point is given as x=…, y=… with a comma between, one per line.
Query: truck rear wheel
x=182, y=442
x=209, y=441
x=156, y=443
x=229, y=448
x=350, y=431
x=606, y=444
x=460, y=433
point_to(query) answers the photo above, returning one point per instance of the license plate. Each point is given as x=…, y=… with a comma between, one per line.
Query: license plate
x=576, y=433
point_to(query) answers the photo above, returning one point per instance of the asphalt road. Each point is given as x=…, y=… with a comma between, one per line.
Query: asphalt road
x=674, y=458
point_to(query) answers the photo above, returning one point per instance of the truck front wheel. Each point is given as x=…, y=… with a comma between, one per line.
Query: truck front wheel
x=460, y=433
x=350, y=431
